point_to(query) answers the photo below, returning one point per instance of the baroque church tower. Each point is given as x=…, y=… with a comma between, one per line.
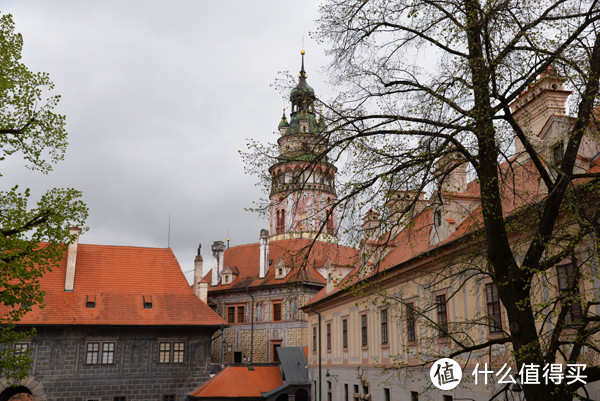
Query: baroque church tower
x=303, y=181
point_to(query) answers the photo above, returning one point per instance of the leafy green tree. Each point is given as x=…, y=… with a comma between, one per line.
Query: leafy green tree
x=32, y=237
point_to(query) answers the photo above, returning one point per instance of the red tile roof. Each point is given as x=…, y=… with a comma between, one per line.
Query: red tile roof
x=239, y=381
x=118, y=278
x=293, y=253
x=520, y=189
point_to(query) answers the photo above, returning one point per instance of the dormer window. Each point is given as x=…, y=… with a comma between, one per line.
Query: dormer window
x=229, y=274
x=90, y=301
x=147, y=302
x=281, y=271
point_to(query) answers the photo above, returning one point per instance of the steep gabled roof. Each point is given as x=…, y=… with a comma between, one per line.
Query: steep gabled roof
x=240, y=382
x=293, y=254
x=120, y=279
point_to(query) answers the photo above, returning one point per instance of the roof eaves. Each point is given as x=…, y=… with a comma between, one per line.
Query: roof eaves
x=443, y=246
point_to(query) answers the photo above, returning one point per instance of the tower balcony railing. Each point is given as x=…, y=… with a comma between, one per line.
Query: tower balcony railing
x=289, y=187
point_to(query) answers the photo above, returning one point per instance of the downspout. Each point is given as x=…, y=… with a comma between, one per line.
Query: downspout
x=251, y=327
x=319, y=341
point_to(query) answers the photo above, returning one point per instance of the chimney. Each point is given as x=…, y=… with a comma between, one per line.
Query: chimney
x=451, y=171
x=72, y=259
x=218, y=250
x=371, y=223
x=203, y=291
x=264, y=253
x=534, y=106
x=403, y=206
x=198, y=271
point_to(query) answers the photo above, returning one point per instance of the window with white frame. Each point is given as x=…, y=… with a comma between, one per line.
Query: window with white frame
x=21, y=348
x=100, y=353
x=171, y=352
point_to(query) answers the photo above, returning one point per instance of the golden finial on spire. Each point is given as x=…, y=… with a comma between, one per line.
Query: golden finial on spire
x=302, y=72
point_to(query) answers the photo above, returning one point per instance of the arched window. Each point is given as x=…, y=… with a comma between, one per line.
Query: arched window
x=280, y=224
x=330, y=227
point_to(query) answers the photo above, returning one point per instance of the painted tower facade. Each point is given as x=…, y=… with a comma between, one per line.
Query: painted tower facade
x=303, y=181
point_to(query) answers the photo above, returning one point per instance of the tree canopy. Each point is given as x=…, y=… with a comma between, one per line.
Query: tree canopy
x=423, y=81
x=32, y=237
x=428, y=89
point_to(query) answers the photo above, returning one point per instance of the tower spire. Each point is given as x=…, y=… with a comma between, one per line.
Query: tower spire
x=302, y=72
x=302, y=96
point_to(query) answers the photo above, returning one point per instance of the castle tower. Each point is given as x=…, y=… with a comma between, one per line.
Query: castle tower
x=303, y=181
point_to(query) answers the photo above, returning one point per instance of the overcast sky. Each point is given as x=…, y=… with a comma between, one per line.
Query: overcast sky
x=159, y=98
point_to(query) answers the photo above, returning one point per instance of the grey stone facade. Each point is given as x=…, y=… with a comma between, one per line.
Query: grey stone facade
x=60, y=371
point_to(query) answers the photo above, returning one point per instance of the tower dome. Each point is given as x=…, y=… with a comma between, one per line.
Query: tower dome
x=303, y=181
x=283, y=124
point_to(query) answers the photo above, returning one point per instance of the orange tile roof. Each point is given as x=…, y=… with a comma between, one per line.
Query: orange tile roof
x=239, y=381
x=521, y=189
x=293, y=252
x=119, y=277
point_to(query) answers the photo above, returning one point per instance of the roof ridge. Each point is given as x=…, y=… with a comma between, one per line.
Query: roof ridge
x=125, y=246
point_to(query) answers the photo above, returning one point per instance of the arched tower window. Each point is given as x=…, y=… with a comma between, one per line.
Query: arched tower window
x=280, y=225
x=330, y=227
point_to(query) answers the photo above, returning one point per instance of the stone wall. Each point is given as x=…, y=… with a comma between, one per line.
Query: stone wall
x=292, y=331
x=59, y=355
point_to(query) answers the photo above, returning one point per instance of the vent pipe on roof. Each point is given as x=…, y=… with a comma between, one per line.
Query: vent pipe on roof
x=72, y=259
x=264, y=253
x=451, y=173
x=218, y=250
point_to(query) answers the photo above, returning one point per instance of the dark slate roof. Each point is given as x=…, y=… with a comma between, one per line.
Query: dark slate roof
x=293, y=364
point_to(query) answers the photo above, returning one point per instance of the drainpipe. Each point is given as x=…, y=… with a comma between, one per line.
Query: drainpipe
x=319, y=328
x=251, y=327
